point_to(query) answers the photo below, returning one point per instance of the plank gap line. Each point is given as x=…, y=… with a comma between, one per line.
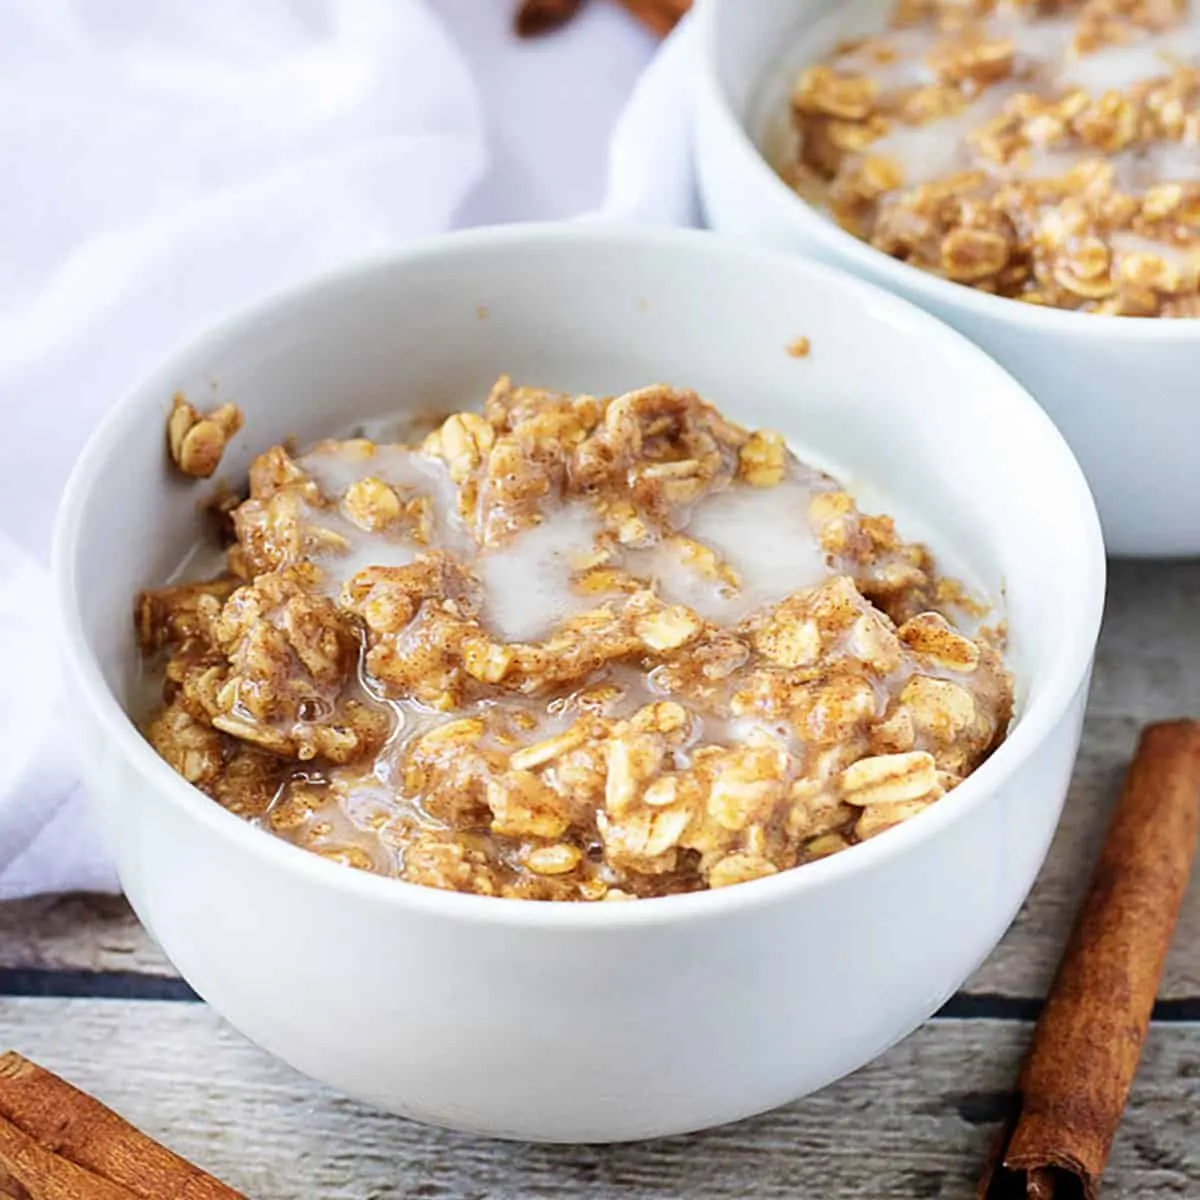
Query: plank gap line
x=51, y=983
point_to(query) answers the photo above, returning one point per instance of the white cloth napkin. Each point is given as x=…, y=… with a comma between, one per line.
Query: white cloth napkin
x=170, y=162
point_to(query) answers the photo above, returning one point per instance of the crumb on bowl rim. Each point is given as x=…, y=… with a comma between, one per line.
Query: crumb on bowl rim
x=1057, y=682
x=709, y=88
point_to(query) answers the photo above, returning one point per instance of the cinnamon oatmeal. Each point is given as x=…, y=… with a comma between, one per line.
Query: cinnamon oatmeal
x=569, y=649
x=1043, y=150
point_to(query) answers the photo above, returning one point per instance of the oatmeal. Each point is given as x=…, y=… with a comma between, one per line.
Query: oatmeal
x=1044, y=151
x=569, y=649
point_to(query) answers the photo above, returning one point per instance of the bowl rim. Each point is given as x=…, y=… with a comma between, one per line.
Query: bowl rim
x=709, y=88
x=1058, y=681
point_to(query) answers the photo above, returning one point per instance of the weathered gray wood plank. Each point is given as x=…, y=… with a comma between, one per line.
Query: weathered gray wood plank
x=85, y=933
x=1148, y=668
x=915, y=1124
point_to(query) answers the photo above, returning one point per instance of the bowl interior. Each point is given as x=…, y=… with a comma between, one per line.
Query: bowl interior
x=760, y=59
x=910, y=416
x=761, y=50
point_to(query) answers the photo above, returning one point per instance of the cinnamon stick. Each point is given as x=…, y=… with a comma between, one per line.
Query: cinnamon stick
x=1075, y=1080
x=28, y=1171
x=535, y=17
x=56, y=1141
x=659, y=16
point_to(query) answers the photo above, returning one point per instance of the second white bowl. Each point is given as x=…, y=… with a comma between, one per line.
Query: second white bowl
x=1125, y=392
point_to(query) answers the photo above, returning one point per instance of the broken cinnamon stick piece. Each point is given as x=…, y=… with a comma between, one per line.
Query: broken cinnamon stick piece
x=535, y=17
x=660, y=16
x=1075, y=1080
x=51, y=1132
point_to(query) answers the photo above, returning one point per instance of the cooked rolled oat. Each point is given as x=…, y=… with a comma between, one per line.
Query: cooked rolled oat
x=571, y=649
x=196, y=441
x=1044, y=150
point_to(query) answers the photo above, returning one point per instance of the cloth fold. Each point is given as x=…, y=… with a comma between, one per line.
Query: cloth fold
x=179, y=161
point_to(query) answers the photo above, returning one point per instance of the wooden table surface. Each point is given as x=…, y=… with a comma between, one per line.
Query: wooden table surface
x=85, y=992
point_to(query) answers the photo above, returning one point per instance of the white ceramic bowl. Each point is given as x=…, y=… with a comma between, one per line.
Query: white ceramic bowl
x=1124, y=392
x=613, y=1021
